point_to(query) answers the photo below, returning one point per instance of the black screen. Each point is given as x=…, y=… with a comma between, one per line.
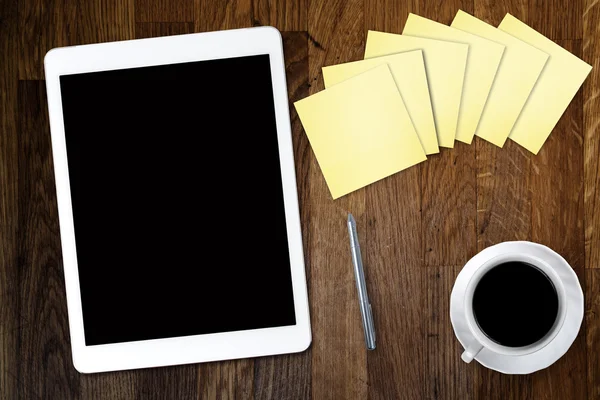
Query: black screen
x=177, y=200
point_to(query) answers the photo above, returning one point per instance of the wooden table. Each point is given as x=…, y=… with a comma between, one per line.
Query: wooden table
x=418, y=227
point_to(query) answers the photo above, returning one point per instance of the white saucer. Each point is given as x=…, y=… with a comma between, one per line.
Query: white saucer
x=544, y=357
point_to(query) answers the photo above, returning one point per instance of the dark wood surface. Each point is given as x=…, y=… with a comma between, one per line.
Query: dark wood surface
x=417, y=227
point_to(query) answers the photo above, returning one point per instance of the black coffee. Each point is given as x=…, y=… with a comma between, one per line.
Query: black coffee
x=515, y=304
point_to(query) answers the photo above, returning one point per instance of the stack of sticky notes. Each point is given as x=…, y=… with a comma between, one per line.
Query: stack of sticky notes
x=433, y=84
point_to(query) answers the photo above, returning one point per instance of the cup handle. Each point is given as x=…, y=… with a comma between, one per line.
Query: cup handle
x=469, y=354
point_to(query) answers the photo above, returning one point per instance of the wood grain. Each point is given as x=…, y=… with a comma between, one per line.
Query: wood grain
x=10, y=320
x=503, y=193
x=45, y=368
x=154, y=29
x=417, y=228
x=164, y=11
x=394, y=260
x=285, y=15
x=105, y=21
x=592, y=324
x=388, y=15
x=492, y=11
x=448, y=182
x=48, y=24
x=295, y=49
x=339, y=362
x=225, y=380
x=449, y=209
x=557, y=19
x=176, y=382
x=289, y=376
x=446, y=376
x=214, y=15
x=591, y=126
x=491, y=385
x=119, y=385
x=445, y=14
x=283, y=377
x=503, y=208
x=557, y=184
x=557, y=222
x=396, y=282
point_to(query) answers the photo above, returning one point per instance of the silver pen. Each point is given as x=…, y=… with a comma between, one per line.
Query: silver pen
x=361, y=285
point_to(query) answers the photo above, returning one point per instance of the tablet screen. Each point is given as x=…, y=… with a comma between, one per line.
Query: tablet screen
x=177, y=200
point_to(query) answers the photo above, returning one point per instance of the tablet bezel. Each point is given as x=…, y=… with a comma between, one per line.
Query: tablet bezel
x=161, y=51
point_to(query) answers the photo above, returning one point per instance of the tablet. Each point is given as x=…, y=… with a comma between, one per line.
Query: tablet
x=177, y=200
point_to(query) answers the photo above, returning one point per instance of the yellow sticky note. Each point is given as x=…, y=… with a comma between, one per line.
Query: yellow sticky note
x=560, y=80
x=360, y=131
x=408, y=71
x=519, y=69
x=482, y=63
x=445, y=66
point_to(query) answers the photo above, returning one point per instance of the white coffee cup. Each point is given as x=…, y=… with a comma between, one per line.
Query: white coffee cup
x=480, y=339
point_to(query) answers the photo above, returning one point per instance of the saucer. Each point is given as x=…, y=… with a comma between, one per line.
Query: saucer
x=549, y=354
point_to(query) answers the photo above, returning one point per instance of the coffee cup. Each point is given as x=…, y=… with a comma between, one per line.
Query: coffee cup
x=514, y=304
x=516, y=307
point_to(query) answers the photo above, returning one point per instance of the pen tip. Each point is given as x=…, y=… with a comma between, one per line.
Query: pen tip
x=350, y=218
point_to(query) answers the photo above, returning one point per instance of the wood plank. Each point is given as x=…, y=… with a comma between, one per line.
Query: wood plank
x=591, y=125
x=394, y=258
x=592, y=324
x=449, y=180
x=557, y=19
x=339, y=361
x=397, y=287
x=57, y=23
x=295, y=49
x=214, y=15
x=105, y=21
x=493, y=385
x=446, y=375
x=10, y=321
x=283, y=377
x=164, y=11
x=503, y=208
x=155, y=29
x=176, y=382
x=289, y=376
x=557, y=222
x=285, y=15
x=449, y=209
x=120, y=385
x=503, y=193
x=503, y=214
x=388, y=15
x=492, y=11
x=226, y=380
x=507, y=179
x=447, y=12
x=43, y=25
x=45, y=369
x=557, y=184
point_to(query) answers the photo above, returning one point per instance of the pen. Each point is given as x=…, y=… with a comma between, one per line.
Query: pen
x=361, y=285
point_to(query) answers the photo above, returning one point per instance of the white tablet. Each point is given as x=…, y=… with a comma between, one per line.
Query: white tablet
x=177, y=200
